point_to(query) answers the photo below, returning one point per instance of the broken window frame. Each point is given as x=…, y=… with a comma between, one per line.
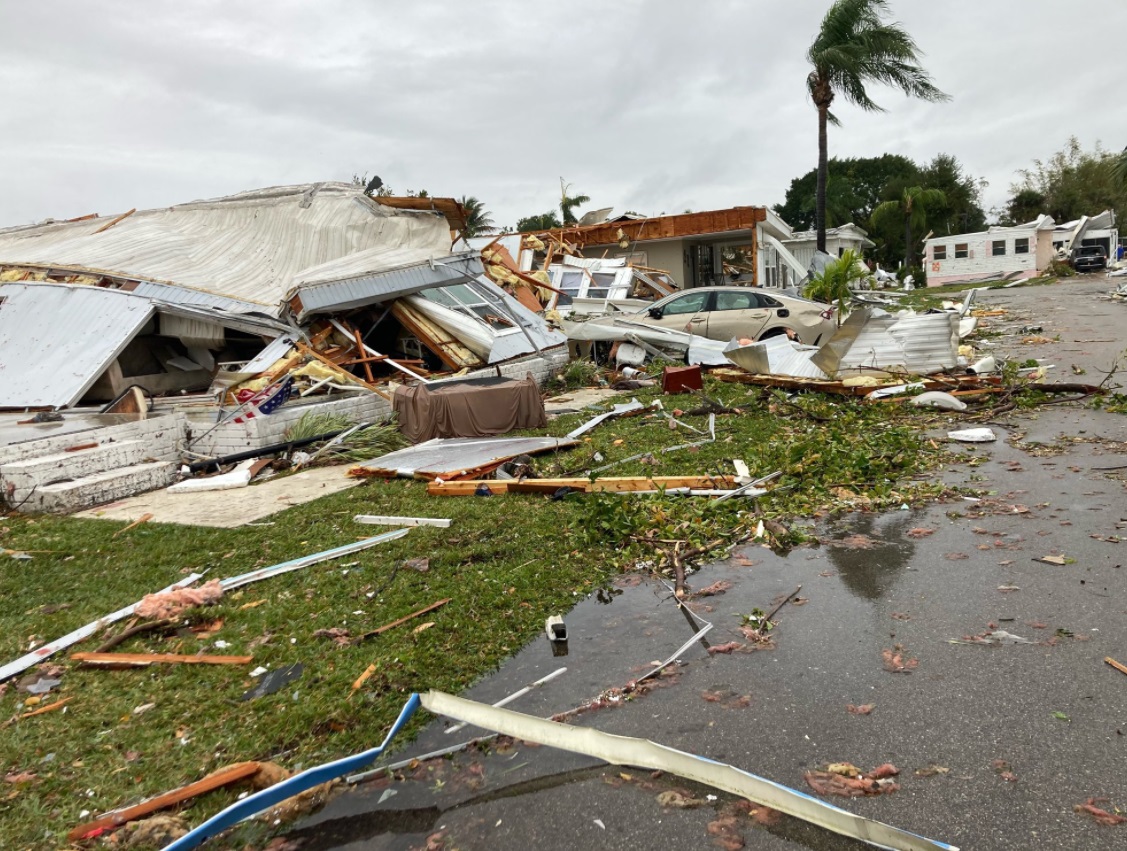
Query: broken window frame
x=593, y=284
x=962, y=250
x=489, y=313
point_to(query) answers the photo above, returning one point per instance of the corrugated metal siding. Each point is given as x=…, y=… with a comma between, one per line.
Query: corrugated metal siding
x=56, y=339
x=914, y=343
x=383, y=286
x=252, y=247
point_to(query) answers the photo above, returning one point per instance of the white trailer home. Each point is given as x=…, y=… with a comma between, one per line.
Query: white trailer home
x=1000, y=252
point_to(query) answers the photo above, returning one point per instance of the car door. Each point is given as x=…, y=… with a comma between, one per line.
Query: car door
x=683, y=312
x=737, y=313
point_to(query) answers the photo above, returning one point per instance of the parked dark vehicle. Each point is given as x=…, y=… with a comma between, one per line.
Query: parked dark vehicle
x=1089, y=258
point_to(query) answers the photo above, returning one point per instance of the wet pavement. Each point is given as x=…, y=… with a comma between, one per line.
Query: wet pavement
x=1023, y=731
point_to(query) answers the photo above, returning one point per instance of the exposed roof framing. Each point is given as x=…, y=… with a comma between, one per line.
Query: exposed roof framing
x=664, y=227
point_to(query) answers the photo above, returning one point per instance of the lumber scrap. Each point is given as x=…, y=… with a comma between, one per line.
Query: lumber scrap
x=217, y=780
x=451, y=351
x=139, y=660
x=613, y=484
x=402, y=620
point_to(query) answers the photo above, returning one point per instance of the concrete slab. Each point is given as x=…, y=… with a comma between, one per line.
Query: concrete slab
x=230, y=508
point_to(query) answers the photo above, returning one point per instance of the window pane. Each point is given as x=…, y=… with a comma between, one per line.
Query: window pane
x=1021, y=246
x=690, y=303
x=603, y=281
x=998, y=248
x=939, y=252
x=570, y=282
x=736, y=301
x=960, y=250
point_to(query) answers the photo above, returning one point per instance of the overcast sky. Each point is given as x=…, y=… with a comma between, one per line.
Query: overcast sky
x=654, y=106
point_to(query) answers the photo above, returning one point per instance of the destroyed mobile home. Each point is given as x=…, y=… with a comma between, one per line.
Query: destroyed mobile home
x=207, y=329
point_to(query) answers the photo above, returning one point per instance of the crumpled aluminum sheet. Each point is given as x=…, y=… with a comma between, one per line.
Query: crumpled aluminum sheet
x=917, y=344
x=775, y=356
x=448, y=457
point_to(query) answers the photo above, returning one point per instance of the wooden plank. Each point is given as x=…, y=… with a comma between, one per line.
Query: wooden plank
x=110, y=224
x=617, y=484
x=449, y=350
x=1117, y=665
x=339, y=370
x=131, y=660
x=664, y=227
x=43, y=710
x=144, y=518
x=404, y=619
x=224, y=777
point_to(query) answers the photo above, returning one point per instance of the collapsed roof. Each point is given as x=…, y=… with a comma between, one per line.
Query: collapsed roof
x=160, y=296
x=248, y=252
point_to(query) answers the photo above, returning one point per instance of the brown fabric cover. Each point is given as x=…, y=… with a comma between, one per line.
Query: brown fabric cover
x=477, y=407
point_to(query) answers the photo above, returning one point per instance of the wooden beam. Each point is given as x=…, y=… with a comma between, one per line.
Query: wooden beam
x=139, y=660
x=339, y=370
x=404, y=619
x=664, y=227
x=110, y=224
x=224, y=777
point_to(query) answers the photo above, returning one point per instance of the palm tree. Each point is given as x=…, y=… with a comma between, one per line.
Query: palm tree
x=832, y=284
x=854, y=47
x=479, y=221
x=570, y=202
x=1119, y=168
x=911, y=206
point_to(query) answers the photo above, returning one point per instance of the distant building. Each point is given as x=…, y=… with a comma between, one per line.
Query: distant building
x=847, y=237
x=1017, y=252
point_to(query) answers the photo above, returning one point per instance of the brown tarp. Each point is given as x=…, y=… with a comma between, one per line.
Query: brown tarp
x=478, y=407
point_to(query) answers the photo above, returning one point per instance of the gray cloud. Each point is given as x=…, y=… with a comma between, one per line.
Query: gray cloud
x=654, y=106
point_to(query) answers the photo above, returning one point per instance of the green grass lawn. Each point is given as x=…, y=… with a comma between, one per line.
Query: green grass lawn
x=507, y=562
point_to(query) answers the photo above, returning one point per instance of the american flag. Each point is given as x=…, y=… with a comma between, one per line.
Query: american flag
x=265, y=401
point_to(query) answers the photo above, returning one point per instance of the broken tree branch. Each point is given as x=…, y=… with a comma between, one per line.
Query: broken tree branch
x=767, y=618
x=149, y=626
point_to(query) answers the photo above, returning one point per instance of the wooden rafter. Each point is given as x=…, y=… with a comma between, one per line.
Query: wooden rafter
x=663, y=227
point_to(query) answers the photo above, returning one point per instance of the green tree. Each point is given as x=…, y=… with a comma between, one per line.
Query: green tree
x=854, y=188
x=569, y=202
x=479, y=221
x=855, y=47
x=540, y=222
x=1119, y=169
x=1024, y=206
x=961, y=209
x=1074, y=183
x=911, y=211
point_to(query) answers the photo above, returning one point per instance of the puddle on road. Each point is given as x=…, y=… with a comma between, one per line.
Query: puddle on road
x=613, y=636
x=871, y=551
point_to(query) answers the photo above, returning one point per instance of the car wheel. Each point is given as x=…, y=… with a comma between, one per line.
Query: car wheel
x=778, y=332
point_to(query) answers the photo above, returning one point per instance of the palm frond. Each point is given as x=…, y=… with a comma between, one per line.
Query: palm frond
x=855, y=46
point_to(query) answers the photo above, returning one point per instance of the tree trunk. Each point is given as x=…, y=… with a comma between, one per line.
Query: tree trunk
x=823, y=177
x=908, y=241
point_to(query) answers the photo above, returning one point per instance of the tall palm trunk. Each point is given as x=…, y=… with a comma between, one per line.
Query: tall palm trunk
x=908, y=241
x=823, y=175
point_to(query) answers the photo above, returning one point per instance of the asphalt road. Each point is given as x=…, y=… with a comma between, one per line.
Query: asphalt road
x=1024, y=731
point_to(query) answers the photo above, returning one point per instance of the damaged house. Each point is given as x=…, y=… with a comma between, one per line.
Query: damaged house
x=219, y=323
x=742, y=245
